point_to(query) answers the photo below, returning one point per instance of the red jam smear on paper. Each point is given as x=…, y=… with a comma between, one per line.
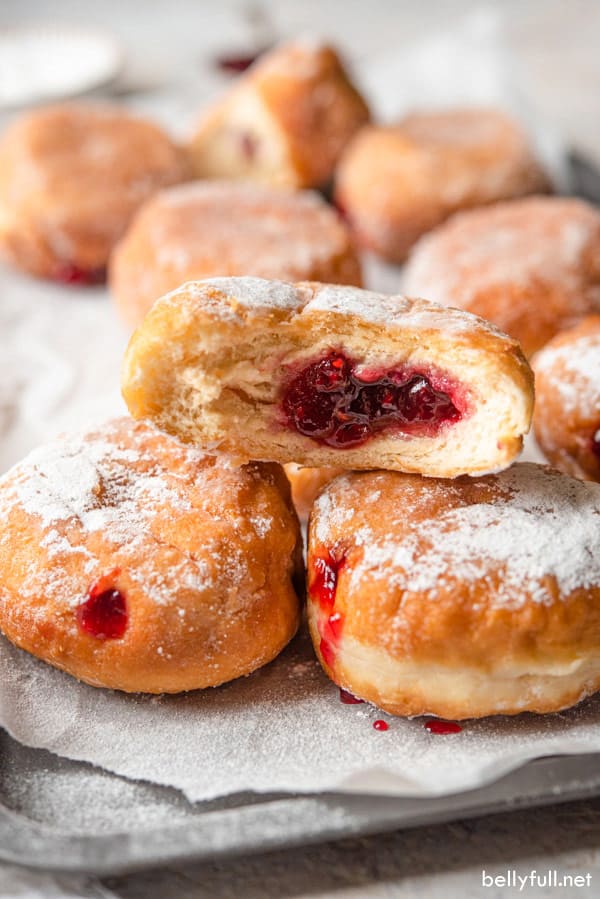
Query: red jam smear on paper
x=442, y=727
x=348, y=698
x=104, y=614
x=337, y=403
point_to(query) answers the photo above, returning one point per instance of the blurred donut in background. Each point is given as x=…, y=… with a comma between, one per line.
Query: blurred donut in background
x=530, y=266
x=396, y=182
x=71, y=177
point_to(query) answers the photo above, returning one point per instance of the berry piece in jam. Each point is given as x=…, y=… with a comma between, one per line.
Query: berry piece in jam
x=72, y=274
x=103, y=615
x=442, y=727
x=334, y=403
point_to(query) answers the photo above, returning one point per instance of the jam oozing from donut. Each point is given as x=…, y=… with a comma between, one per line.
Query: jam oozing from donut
x=323, y=587
x=380, y=725
x=337, y=403
x=248, y=146
x=104, y=613
x=442, y=727
x=349, y=699
x=72, y=274
x=596, y=444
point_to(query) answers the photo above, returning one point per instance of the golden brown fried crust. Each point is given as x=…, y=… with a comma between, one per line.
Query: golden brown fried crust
x=318, y=110
x=71, y=177
x=285, y=122
x=397, y=182
x=532, y=266
x=497, y=635
x=211, y=228
x=306, y=484
x=567, y=410
x=206, y=556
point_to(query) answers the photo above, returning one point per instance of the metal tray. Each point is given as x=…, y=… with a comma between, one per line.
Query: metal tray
x=69, y=816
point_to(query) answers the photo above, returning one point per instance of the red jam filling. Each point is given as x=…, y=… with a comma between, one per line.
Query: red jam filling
x=596, y=444
x=442, y=727
x=72, y=274
x=380, y=725
x=248, y=146
x=104, y=614
x=337, y=403
x=323, y=587
x=236, y=63
x=349, y=698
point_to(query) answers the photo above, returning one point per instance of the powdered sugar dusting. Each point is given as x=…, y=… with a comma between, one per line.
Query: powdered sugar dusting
x=579, y=360
x=111, y=487
x=526, y=244
x=540, y=528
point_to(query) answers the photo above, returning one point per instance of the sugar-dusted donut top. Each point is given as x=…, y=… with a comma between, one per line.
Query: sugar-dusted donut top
x=525, y=531
x=234, y=298
x=461, y=128
x=82, y=152
x=238, y=227
x=523, y=243
x=571, y=367
x=170, y=515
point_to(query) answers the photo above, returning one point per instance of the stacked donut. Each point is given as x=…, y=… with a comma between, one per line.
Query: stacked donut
x=163, y=552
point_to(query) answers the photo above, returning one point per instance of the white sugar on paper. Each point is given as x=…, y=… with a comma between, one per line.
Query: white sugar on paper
x=283, y=728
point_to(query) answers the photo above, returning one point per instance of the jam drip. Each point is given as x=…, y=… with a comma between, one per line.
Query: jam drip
x=72, y=274
x=333, y=403
x=104, y=614
x=380, y=725
x=323, y=587
x=349, y=698
x=442, y=727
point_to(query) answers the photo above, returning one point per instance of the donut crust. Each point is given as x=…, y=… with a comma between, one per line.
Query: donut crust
x=438, y=618
x=205, y=554
x=71, y=177
x=396, y=182
x=209, y=228
x=567, y=411
x=532, y=267
x=285, y=122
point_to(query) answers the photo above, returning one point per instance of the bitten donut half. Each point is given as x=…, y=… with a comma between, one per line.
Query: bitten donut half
x=329, y=376
x=136, y=563
x=461, y=598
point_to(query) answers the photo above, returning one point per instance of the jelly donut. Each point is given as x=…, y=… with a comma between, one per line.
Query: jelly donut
x=567, y=409
x=396, y=182
x=329, y=376
x=284, y=122
x=209, y=228
x=71, y=177
x=530, y=266
x=135, y=563
x=458, y=598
